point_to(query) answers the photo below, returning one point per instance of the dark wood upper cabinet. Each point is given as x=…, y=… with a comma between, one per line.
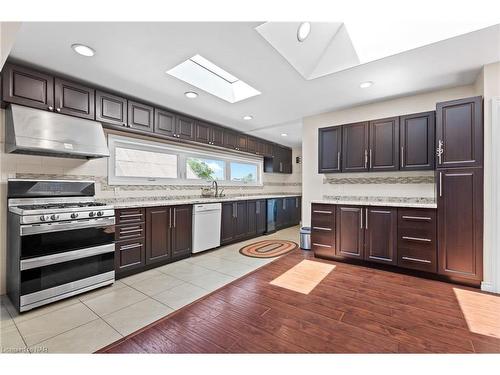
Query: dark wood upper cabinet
x=383, y=154
x=140, y=116
x=459, y=133
x=329, y=149
x=217, y=136
x=268, y=149
x=74, y=99
x=350, y=232
x=241, y=142
x=28, y=87
x=381, y=237
x=203, y=133
x=182, y=229
x=252, y=145
x=416, y=140
x=355, y=147
x=111, y=109
x=460, y=223
x=164, y=122
x=185, y=128
x=230, y=140
x=158, y=224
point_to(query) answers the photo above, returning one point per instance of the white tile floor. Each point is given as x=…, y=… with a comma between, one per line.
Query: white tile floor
x=90, y=321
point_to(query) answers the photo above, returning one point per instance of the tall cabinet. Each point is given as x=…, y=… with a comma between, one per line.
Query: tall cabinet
x=459, y=174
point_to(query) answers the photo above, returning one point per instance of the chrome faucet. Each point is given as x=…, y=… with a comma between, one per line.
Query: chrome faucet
x=216, y=188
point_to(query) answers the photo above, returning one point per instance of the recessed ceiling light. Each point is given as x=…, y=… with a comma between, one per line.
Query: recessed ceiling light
x=303, y=31
x=284, y=135
x=247, y=117
x=83, y=50
x=191, y=94
x=365, y=85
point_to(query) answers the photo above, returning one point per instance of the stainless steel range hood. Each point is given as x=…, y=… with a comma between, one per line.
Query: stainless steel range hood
x=33, y=131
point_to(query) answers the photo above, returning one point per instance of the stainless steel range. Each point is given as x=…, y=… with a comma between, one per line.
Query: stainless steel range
x=60, y=241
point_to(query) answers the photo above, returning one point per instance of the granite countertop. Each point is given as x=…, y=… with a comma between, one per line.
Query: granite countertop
x=173, y=202
x=389, y=203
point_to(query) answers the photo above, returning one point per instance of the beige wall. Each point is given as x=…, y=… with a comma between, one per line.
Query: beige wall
x=49, y=167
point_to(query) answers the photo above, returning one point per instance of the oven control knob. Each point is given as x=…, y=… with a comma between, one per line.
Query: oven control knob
x=54, y=217
x=91, y=214
x=74, y=215
x=45, y=218
x=100, y=213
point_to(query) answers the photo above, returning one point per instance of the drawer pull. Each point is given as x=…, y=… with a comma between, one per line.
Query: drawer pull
x=416, y=239
x=130, y=231
x=320, y=245
x=416, y=260
x=322, y=228
x=322, y=212
x=423, y=218
x=131, y=246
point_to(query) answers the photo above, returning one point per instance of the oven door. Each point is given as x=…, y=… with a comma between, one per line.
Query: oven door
x=53, y=277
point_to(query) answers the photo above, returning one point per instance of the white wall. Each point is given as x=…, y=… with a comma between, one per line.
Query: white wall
x=8, y=32
x=29, y=166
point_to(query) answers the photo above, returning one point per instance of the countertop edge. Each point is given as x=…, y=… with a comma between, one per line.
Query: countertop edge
x=382, y=204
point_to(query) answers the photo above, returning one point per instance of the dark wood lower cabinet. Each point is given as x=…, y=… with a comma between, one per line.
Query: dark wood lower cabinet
x=323, y=218
x=158, y=234
x=460, y=223
x=381, y=226
x=350, y=233
x=182, y=229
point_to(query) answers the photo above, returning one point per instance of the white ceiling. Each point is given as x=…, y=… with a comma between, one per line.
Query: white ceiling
x=133, y=58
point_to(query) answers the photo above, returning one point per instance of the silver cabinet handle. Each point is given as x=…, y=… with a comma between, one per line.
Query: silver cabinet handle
x=130, y=231
x=416, y=239
x=440, y=184
x=131, y=246
x=416, y=260
x=323, y=229
x=371, y=163
x=338, y=160
x=423, y=218
x=130, y=215
x=175, y=212
x=366, y=158
x=170, y=218
x=320, y=245
x=402, y=157
x=361, y=218
x=440, y=150
x=366, y=219
x=322, y=212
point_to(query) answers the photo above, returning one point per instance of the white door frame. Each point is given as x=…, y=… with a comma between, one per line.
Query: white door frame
x=493, y=285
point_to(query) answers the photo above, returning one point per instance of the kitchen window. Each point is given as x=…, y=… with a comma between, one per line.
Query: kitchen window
x=140, y=162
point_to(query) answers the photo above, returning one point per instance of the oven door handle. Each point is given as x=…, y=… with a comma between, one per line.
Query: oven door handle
x=26, y=230
x=27, y=264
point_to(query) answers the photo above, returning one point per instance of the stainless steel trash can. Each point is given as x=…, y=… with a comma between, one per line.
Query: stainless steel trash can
x=305, y=238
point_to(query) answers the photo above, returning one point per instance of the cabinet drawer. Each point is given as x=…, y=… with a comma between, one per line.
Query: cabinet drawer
x=129, y=255
x=129, y=216
x=422, y=259
x=129, y=232
x=323, y=217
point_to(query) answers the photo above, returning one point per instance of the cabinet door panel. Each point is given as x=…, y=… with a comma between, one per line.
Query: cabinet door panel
x=217, y=135
x=241, y=142
x=202, y=133
x=228, y=222
x=460, y=223
x=164, y=122
x=158, y=223
x=329, y=149
x=110, y=108
x=459, y=126
x=27, y=87
x=241, y=213
x=261, y=213
x=381, y=234
x=384, y=144
x=230, y=140
x=182, y=230
x=140, y=116
x=355, y=147
x=268, y=149
x=252, y=145
x=185, y=128
x=252, y=218
x=74, y=99
x=349, y=232
x=417, y=141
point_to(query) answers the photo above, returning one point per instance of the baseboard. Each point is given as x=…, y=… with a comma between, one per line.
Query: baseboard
x=488, y=287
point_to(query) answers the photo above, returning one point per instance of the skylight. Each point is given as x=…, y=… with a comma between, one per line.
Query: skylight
x=204, y=74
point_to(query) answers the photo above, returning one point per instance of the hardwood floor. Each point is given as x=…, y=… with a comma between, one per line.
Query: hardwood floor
x=353, y=310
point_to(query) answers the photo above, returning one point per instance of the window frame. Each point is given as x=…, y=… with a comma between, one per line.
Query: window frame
x=183, y=152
